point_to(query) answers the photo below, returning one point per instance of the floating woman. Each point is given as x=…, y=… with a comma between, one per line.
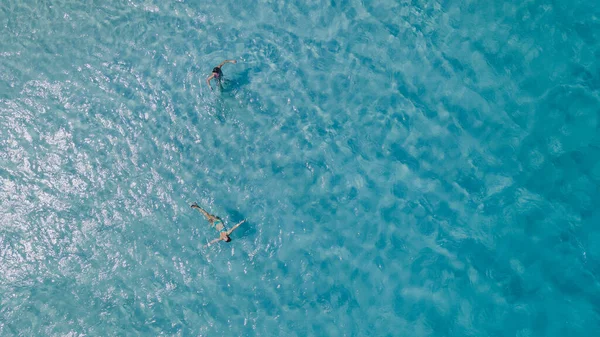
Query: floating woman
x=216, y=222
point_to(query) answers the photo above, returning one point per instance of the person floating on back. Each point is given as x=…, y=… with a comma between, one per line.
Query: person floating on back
x=217, y=74
x=216, y=222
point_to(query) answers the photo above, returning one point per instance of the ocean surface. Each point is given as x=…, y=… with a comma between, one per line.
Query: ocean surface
x=406, y=168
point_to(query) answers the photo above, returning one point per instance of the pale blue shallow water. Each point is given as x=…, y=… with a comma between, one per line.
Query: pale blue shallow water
x=407, y=168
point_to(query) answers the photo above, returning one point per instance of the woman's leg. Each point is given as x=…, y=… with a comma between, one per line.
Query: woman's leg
x=211, y=218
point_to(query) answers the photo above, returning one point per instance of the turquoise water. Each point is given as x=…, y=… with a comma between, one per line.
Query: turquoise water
x=407, y=168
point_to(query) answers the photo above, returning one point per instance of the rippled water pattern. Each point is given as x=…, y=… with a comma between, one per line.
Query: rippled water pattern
x=407, y=168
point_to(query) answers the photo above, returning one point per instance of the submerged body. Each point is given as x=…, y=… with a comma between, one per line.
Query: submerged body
x=217, y=73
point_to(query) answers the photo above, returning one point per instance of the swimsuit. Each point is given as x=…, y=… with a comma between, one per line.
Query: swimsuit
x=220, y=226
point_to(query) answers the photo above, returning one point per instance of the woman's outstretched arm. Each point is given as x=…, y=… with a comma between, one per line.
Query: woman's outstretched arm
x=236, y=226
x=227, y=61
x=213, y=241
x=208, y=80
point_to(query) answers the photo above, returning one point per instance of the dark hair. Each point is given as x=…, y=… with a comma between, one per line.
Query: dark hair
x=216, y=70
x=227, y=239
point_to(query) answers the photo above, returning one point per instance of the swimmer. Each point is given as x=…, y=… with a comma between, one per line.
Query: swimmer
x=217, y=73
x=216, y=222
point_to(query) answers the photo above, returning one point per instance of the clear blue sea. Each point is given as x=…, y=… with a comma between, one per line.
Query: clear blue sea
x=406, y=168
